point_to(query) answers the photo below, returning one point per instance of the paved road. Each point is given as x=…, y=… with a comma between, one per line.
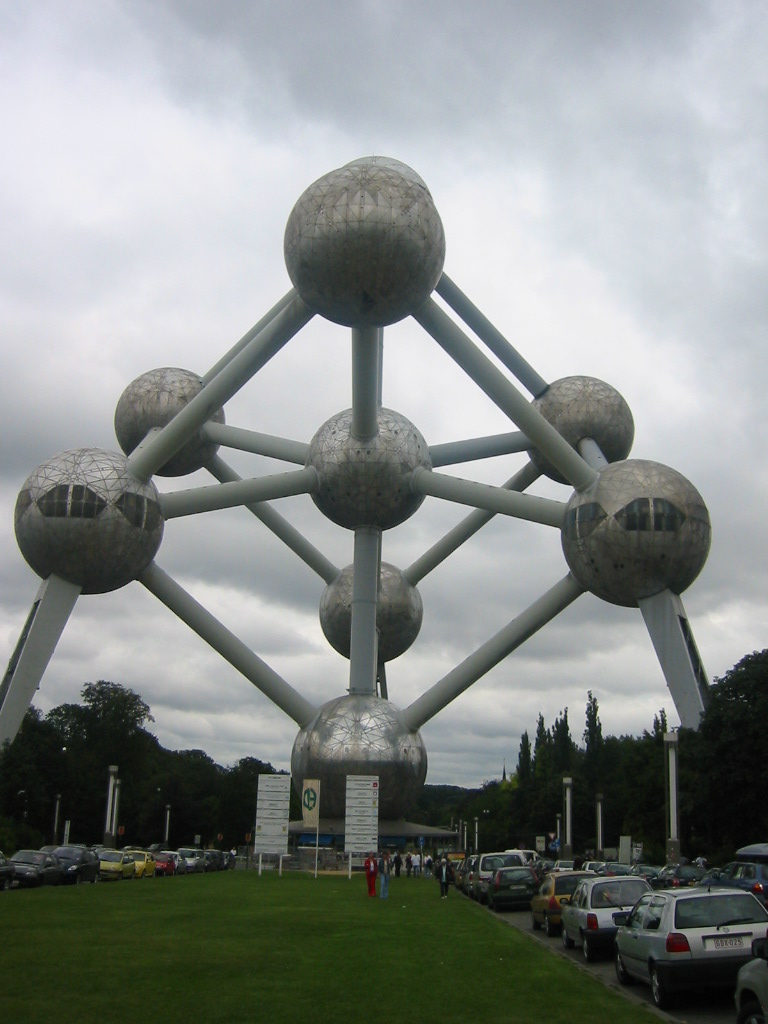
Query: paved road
x=703, y=1008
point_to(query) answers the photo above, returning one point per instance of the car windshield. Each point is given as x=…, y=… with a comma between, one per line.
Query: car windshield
x=64, y=853
x=717, y=911
x=566, y=883
x=612, y=894
x=517, y=874
x=28, y=857
x=112, y=856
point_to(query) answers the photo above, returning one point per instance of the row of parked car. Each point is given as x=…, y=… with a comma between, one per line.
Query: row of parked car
x=677, y=928
x=72, y=864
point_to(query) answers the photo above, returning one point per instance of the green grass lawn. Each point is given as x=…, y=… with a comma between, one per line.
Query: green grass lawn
x=233, y=946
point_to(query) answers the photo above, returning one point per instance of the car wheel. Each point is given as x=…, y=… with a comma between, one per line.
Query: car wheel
x=750, y=1013
x=567, y=940
x=550, y=929
x=534, y=923
x=621, y=971
x=587, y=949
x=659, y=990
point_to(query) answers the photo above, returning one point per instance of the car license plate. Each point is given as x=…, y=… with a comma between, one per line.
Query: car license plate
x=728, y=942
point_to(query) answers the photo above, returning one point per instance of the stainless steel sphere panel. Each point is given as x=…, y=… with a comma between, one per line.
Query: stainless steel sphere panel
x=364, y=245
x=580, y=407
x=366, y=483
x=360, y=735
x=83, y=517
x=151, y=401
x=399, y=612
x=639, y=529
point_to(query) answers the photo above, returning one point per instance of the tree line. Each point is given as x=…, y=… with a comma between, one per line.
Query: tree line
x=63, y=757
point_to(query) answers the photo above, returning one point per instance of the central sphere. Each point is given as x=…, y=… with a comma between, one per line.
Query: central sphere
x=367, y=482
x=364, y=245
x=360, y=735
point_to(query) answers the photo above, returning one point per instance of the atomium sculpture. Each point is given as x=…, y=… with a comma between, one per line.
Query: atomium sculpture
x=364, y=248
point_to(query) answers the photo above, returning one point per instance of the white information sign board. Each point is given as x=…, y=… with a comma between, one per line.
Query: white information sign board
x=272, y=814
x=361, y=825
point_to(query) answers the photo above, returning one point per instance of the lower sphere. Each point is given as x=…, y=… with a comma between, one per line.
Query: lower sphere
x=360, y=735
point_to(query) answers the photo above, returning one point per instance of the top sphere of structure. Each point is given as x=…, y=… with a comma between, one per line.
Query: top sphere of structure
x=581, y=407
x=399, y=612
x=364, y=245
x=366, y=482
x=639, y=529
x=83, y=517
x=150, y=402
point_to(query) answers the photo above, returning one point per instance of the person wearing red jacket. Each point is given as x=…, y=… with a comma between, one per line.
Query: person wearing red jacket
x=371, y=870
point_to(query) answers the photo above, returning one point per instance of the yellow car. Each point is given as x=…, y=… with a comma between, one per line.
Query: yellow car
x=145, y=863
x=116, y=864
x=545, y=905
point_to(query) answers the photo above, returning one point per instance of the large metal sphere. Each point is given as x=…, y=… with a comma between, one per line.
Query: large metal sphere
x=580, y=407
x=366, y=483
x=639, y=529
x=360, y=735
x=150, y=402
x=399, y=612
x=83, y=517
x=364, y=245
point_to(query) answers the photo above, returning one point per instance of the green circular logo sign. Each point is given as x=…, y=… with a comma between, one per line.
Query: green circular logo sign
x=309, y=799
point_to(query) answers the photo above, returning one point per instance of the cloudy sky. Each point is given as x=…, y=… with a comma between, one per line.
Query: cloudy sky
x=600, y=171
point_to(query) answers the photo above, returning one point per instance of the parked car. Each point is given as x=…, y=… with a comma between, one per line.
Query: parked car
x=752, y=876
x=587, y=915
x=687, y=939
x=512, y=888
x=615, y=867
x=215, y=860
x=6, y=872
x=79, y=864
x=34, y=868
x=598, y=866
x=467, y=875
x=646, y=871
x=676, y=876
x=545, y=905
x=116, y=864
x=169, y=862
x=487, y=866
x=563, y=865
x=194, y=857
x=751, y=994
x=144, y=861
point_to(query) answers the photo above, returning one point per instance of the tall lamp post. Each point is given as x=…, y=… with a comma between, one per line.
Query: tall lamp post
x=167, y=823
x=567, y=798
x=476, y=833
x=599, y=825
x=673, y=813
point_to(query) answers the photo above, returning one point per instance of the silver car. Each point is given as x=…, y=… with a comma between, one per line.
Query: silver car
x=587, y=915
x=752, y=987
x=678, y=939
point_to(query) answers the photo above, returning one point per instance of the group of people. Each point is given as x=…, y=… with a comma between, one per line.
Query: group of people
x=384, y=866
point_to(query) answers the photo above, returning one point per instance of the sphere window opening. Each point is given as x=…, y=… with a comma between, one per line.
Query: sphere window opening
x=76, y=501
x=646, y=514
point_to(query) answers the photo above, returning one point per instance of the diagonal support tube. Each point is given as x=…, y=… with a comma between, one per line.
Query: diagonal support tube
x=467, y=528
x=479, y=368
x=520, y=629
x=280, y=526
x=155, y=452
x=227, y=644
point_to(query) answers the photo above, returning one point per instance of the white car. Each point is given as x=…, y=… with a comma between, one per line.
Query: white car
x=690, y=938
x=752, y=987
x=587, y=915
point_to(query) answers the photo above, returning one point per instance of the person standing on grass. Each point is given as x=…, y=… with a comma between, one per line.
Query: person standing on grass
x=371, y=870
x=416, y=861
x=444, y=875
x=397, y=861
x=384, y=872
x=408, y=864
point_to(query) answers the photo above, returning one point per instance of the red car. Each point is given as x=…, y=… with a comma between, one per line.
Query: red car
x=165, y=864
